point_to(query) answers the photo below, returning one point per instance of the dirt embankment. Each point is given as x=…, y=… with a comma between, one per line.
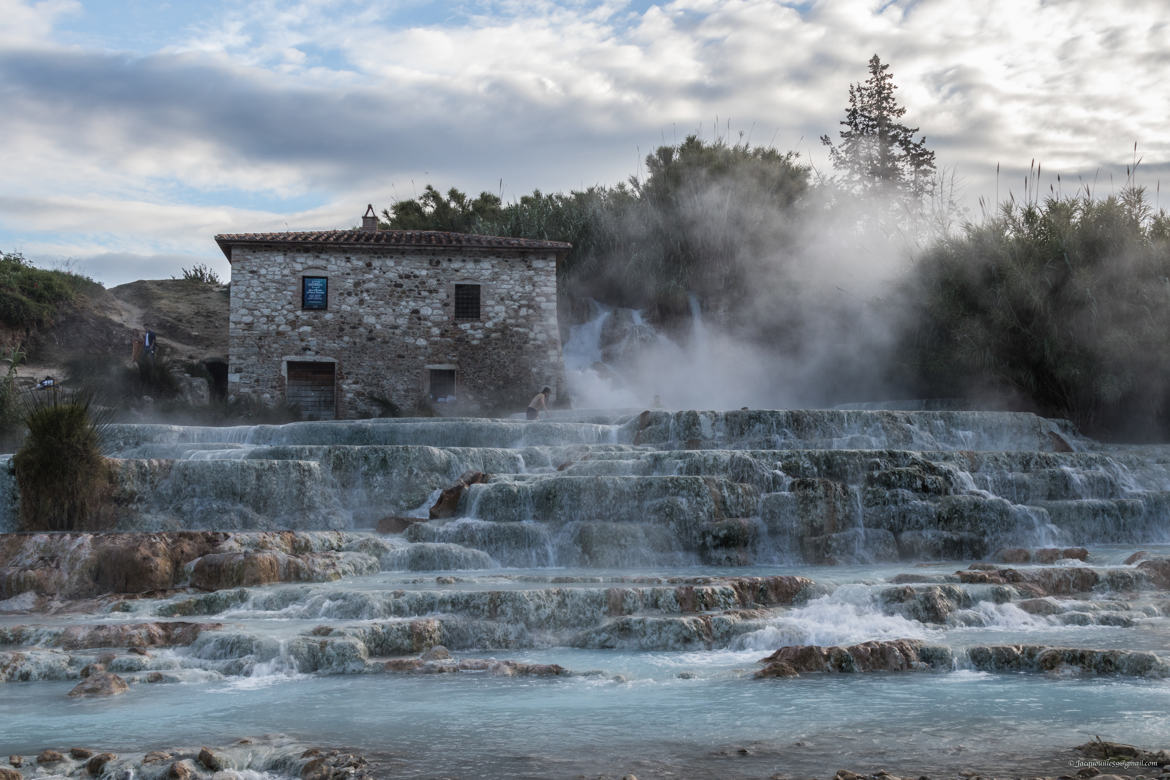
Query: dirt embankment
x=189, y=319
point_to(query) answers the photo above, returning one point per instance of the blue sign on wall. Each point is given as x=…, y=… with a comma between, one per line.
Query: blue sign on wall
x=314, y=292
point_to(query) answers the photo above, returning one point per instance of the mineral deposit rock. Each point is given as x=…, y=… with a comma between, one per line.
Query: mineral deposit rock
x=101, y=684
x=895, y=655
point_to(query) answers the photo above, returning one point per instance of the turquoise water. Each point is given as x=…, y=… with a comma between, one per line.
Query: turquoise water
x=473, y=725
x=663, y=713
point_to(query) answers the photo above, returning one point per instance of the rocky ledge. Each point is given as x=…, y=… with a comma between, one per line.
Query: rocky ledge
x=904, y=655
x=898, y=655
x=274, y=757
x=88, y=565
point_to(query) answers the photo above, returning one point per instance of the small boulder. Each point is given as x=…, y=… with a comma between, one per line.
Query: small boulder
x=49, y=756
x=10, y=774
x=210, y=760
x=845, y=774
x=16, y=760
x=317, y=769
x=101, y=684
x=80, y=753
x=179, y=771
x=1043, y=606
x=1158, y=570
x=91, y=669
x=96, y=764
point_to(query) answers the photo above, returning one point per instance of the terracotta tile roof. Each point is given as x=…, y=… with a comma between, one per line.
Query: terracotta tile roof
x=389, y=238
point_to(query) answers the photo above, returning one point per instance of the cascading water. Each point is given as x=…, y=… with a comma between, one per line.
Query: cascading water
x=606, y=586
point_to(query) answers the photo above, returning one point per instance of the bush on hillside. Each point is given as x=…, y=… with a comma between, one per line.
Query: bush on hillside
x=30, y=297
x=201, y=274
x=65, y=484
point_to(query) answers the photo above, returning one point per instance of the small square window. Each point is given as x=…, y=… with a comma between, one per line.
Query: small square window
x=314, y=292
x=467, y=301
x=442, y=384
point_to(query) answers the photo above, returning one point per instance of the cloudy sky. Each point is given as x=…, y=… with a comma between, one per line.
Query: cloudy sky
x=133, y=131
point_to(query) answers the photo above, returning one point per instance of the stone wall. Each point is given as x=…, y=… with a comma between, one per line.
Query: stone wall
x=390, y=317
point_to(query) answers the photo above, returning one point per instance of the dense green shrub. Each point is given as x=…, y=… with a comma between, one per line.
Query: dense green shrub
x=1061, y=307
x=65, y=483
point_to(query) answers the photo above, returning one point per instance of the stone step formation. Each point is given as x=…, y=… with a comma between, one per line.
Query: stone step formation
x=604, y=550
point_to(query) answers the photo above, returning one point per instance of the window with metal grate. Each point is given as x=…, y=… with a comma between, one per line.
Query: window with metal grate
x=467, y=301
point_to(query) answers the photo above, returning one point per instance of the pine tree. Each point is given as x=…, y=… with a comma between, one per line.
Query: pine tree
x=877, y=153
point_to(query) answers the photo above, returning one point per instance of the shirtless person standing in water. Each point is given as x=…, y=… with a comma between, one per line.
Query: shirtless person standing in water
x=538, y=403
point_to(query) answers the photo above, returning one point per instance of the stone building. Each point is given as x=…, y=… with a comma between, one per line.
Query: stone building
x=369, y=322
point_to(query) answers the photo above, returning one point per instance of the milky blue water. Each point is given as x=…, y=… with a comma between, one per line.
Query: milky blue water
x=666, y=713
x=475, y=725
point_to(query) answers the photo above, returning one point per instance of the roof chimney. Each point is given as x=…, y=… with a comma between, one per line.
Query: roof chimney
x=370, y=220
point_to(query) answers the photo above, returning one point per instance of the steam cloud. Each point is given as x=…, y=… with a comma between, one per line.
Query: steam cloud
x=815, y=327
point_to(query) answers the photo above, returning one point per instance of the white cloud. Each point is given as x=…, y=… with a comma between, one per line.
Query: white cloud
x=340, y=102
x=26, y=23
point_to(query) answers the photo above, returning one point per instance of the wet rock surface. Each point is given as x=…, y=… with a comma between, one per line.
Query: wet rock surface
x=85, y=565
x=620, y=537
x=100, y=684
x=898, y=655
x=265, y=756
x=1041, y=658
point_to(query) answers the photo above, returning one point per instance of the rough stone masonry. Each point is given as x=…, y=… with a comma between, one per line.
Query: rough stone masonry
x=368, y=322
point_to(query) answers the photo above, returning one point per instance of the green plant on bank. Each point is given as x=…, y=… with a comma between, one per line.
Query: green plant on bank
x=65, y=484
x=9, y=405
x=30, y=297
x=1062, y=308
x=201, y=274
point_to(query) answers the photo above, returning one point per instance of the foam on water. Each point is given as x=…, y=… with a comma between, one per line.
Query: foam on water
x=848, y=616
